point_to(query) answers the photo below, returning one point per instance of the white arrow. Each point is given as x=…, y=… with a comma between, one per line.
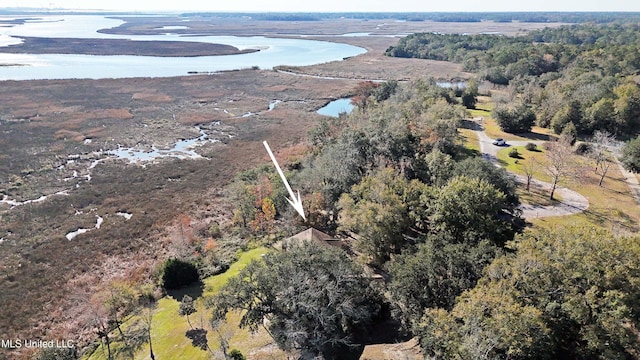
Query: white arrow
x=295, y=202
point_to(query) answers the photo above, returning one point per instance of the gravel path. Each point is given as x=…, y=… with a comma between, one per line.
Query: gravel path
x=572, y=202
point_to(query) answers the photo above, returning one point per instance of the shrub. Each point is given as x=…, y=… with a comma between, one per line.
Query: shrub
x=177, y=273
x=569, y=134
x=583, y=148
x=235, y=354
x=513, y=153
x=214, y=230
x=531, y=147
x=514, y=119
x=57, y=354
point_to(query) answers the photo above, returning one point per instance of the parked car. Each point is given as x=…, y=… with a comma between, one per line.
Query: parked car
x=499, y=142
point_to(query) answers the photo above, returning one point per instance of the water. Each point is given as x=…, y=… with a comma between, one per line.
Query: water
x=70, y=236
x=13, y=203
x=356, y=34
x=125, y=215
x=449, y=84
x=179, y=27
x=181, y=150
x=336, y=107
x=272, y=104
x=273, y=52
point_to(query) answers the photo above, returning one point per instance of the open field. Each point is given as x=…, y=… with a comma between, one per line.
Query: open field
x=373, y=66
x=246, y=26
x=611, y=205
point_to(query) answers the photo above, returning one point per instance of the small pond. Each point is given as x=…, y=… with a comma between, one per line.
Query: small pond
x=449, y=84
x=336, y=107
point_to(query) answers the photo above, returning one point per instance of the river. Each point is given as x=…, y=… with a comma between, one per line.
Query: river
x=273, y=52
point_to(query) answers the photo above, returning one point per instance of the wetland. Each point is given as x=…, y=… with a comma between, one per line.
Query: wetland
x=64, y=145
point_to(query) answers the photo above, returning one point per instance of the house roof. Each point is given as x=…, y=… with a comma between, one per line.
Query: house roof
x=310, y=234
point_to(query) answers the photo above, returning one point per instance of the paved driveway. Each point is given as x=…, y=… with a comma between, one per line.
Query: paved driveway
x=572, y=202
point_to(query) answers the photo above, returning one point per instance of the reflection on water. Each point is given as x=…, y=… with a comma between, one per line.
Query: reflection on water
x=126, y=216
x=182, y=149
x=337, y=107
x=13, y=203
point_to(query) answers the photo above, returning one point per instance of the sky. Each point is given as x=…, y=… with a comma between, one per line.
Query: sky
x=333, y=5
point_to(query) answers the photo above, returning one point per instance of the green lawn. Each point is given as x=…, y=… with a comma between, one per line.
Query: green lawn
x=470, y=139
x=534, y=196
x=610, y=206
x=169, y=329
x=516, y=166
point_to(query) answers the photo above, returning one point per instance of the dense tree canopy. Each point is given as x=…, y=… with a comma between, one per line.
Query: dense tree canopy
x=515, y=119
x=378, y=209
x=396, y=181
x=311, y=298
x=579, y=74
x=470, y=208
x=631, y=155
x=570, y=293
x=435, y=275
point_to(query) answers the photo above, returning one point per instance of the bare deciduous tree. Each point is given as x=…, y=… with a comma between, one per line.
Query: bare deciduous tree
x=600, y=153
x=559, y=163
x=529, y=167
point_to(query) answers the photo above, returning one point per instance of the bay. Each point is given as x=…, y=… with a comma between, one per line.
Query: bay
x=273, y=52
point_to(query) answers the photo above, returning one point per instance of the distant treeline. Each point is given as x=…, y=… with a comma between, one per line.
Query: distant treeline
x=550, y=17
x=578, y=78
x=538, y=17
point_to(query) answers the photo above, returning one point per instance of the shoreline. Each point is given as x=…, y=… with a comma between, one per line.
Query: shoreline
x=103, y=47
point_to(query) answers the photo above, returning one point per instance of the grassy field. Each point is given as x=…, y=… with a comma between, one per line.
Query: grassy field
x=610, y=206
x=535, y=196
x=516, y=166
x=169, y=329
x=470, y=139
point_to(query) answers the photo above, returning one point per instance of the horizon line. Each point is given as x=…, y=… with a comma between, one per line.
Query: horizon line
x=313, y=12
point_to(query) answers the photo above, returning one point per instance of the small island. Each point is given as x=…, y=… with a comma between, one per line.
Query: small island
x=39, y=45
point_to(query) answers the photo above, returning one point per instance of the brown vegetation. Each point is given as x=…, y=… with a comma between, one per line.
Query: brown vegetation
x=36, y=45
x=47, y=281
x=38, y=262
